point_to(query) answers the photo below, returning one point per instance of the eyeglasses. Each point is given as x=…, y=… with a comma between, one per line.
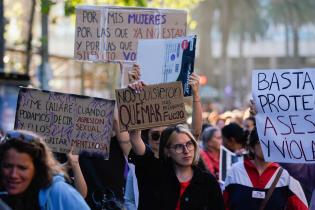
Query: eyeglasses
x=17, y=135
x=155, y=135
x=181, y=148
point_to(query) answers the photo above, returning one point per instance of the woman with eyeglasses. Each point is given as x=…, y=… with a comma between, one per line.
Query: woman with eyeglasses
x=151, y=137
x=31, y=177
x=174, y=182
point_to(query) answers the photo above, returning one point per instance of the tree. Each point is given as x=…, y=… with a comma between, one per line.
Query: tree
x=71, y=4
x=242, y=18
x=203, y=14
x=293, y=15
x=178, y=4
x=248, y=21
x=1, y=36
x=44, y=67
x=248, y=24
x=29, y=40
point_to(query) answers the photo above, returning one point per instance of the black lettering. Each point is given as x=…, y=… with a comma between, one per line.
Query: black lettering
x=307, y=80
x=308, y=120
x=271, y=100
x=124, y=111
x=137, y=112
x=278, y=118
x=295, y=102
x=271, y=126
x=115, y=18
x=267, y=145
x=287, y=146
x=89, y=16
x=84, y=32
x=145, y=112
x=304, y=102
x=300, y=155
x=274, y=80
x=281, y=102
x=297, y=78
x=263, y=103
x=289, y=81
x=293, y=124
x=157, y=112
x=120, y=98
x=281, y=150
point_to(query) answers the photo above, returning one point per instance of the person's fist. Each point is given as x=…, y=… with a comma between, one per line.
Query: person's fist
x=194, y=82
x=137, y=86
x=134, y=74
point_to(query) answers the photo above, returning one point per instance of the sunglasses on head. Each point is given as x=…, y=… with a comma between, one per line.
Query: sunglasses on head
x=17, y=135
x=155, y=135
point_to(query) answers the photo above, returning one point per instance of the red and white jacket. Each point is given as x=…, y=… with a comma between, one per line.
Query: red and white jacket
x=245, y=189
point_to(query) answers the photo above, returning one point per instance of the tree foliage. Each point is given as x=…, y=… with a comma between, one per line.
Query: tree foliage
x=175, y=4
x=46, y=6
x=293, y=12
x=248, y=18
x=70, y=6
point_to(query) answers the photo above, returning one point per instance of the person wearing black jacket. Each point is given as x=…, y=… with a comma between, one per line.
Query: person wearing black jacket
x=174, y=182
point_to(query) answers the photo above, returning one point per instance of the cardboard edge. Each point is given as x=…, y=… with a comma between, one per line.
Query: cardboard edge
x=101, y=7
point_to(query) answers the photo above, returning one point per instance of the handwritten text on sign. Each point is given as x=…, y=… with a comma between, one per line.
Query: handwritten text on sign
x=285, y=101
x=155, y=106
x=106, y=33
x=66, y=120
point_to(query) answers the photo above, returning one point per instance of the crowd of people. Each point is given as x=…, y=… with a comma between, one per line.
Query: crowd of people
x=164, y=168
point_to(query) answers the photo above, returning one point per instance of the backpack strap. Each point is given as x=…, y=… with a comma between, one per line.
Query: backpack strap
x=271, y=189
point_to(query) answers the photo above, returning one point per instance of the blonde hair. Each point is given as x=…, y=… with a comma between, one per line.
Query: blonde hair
x=169, y=133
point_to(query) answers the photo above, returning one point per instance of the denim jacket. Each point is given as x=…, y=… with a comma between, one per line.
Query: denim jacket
x=61, y=196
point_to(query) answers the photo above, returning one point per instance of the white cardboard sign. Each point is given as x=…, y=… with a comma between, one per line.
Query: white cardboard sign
x=285, y=119
x=167, y=60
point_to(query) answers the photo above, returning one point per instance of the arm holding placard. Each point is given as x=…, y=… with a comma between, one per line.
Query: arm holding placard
x=194, y=82
x=134, y=74
x=137, y=143
x=122, y=137
x=137, y=86
x=79, y=181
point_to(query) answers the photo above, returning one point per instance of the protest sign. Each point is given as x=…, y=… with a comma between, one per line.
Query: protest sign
x=227, y=159
x=109, y=33
x=285, y=116
x=66, y=120
x=167, y=60
x=156, y=105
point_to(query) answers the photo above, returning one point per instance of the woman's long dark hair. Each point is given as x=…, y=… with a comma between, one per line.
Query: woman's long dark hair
x=45, y=166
